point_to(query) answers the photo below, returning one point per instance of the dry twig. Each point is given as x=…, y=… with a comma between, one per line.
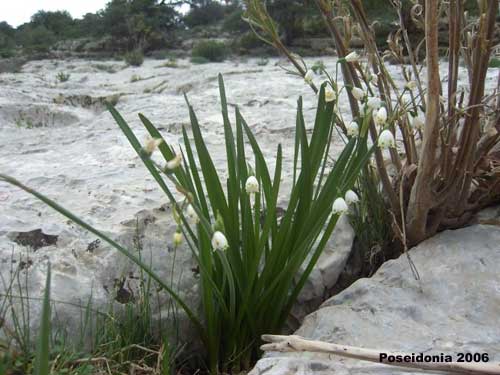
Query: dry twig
x=298, y=344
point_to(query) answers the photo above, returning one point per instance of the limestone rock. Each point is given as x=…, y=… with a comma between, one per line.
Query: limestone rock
x=455, y=307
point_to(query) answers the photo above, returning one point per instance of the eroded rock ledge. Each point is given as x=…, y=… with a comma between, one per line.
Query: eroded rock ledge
x=455, y=307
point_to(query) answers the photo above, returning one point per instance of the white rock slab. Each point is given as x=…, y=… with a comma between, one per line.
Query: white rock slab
x=455, y=307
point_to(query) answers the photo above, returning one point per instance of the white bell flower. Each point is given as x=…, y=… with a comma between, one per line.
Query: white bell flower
x=191, y=215
x=351, y=197
x=358, y=93
x=339, y=206
x=417, y=122
x=380, y=116
x=374, y=102
x=174, y=163
x=219, y=241
x=252, y=185
x=352, y=129
x=386, y=140
x=308, y=77
x=152, y=144
x=330, y=95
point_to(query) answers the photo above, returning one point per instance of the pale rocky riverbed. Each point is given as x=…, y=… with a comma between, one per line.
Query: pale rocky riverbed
x=58, y=138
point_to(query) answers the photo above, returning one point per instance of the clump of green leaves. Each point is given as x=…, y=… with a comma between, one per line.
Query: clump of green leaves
x=211, y=50
x=494, y=63
x=63, y=77
x=233, y=22
x=206, y=13
x=249, y=286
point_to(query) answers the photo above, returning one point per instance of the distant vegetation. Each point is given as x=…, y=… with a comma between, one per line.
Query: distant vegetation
x=133, y=24
x=151, y=25
x=134, y=58
x=211, y=50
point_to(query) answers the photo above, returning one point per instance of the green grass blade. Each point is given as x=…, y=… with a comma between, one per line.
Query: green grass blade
x=136, y=145
x=212, y=183
x=193, y=168
x=43, y=350
x=63, y=211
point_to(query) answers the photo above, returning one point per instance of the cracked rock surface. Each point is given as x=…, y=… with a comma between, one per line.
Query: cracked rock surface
x=454, y=308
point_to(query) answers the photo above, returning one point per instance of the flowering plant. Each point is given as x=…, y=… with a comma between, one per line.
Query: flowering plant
x=253, y=257
x=444, y=165
x=249, y=257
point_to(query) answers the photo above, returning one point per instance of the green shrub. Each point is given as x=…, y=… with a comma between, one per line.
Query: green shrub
x=207, y=14
x=315, y=26
x=494, y=63
x=36, y=39
x=134, y=58
x=63, y=77
x=7, y=53
x=211, y=50
x=7, y=41
x=253, y=260
x=60, y=23
x=234, y=22
x=148, y=21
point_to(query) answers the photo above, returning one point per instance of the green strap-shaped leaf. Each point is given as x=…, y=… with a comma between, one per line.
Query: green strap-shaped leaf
x=113, y=243
x=42, y=348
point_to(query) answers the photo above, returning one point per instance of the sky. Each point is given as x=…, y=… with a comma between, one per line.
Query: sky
x=20, y=11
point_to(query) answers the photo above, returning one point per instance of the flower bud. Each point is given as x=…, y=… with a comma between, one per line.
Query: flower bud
x=177, y=238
